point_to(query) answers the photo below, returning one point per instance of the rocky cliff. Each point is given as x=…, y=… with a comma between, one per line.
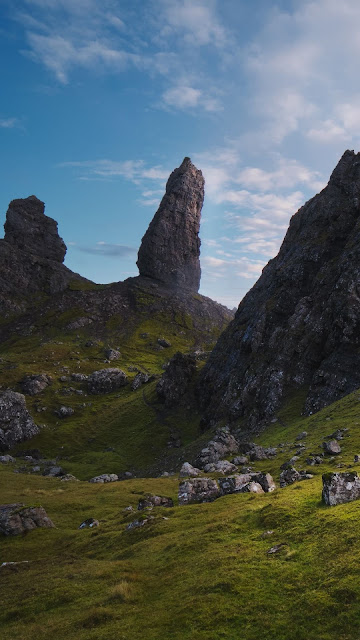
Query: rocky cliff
x=170, y=248
x=299, y=326
x=31, y=256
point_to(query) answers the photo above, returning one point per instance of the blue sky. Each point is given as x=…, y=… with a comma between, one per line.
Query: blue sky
x=101, y=99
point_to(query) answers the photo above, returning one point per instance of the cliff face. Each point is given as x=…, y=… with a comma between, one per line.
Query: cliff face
x=299, y=326
x=170, y=248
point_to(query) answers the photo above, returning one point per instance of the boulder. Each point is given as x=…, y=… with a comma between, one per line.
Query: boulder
x=291, y=475
x=90, y=523
x=301, y=436
x=222, y=444
x=339, y=488
x=106, y=381
x=105, y=477
x=77, y=377
x=139, y=380
x=165, y=344
x=176, y=378
x=112, y=354
x=64, y=412
x=223, y=466
x=34, y=384
x=332, y=447
x=151, y=501
x=68, y=477
x=198, y=490
x=54, y=472
x=16, y=423
x=6, y=459
x=240, y=460
x=187, y=470
x=16, y=519
x=234, y=484
x=252, y=487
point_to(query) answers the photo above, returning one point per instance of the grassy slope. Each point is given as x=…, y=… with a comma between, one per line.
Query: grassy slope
x=201, y=574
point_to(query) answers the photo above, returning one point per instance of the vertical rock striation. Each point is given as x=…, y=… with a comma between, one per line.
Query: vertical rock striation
x=170, y=248
x=299, y=326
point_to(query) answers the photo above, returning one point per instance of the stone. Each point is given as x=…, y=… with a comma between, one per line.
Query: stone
x=256, y=452
x=234, y=484
x=301, y=435
x=77, y=377
x=265, y=480
x=16, y=519
x=64, y=412
x=198, y=490
x=223, y=466
x=34, y=384
x=54, y=472
x=332, y=447
x=106, y=381
x=277, y=547
x=356, y=458
x=7, y=459
x=151, y=501
x=164, y=343
x=140, y=522
x=252, y=487
x=89, y=523
x=139, y=380
x=222, y=444
x=16, y=423
x=187, y=470
x=291, y=475
x=112, y=354
x=170, y=248
x=68, y=477
x=175, y=380
x=298, y=327
x=339, y=488
x=240, y=460
x=105, y=477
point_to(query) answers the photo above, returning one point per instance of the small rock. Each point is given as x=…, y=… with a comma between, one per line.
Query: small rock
x=187, y=470
x=277, y=548
x=68, y=477
x=301, y=435
x=64, y=412
x=112, y=354
x=105, y=477
x=356, y=458
x=90, y=523
x=151, y=501
x=240, y=460
x=332, y=447
x=139, y=380
x=79, y=377
x=106, y=381
x=54, y=472
x=164, y=343
x=6, y=459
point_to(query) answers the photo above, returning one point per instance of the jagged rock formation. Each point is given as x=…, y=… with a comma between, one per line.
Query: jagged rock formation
x=299, y=326
x=170, y=248
x=31, y=255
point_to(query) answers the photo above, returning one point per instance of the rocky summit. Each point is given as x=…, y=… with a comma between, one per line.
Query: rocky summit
x=299, y=326
x=170, y=248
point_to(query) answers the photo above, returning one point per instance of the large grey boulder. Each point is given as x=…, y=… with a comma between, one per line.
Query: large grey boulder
x=170, y=248
x=198, y=490
x=187, y=470
x=291, y=475
x=16, y=423
x=340, y=487
x=106, y=381
x=16, y=519
x=238, y=483
x=223, y=466
x=105, y=477
x=222, y=444
x=332, y=447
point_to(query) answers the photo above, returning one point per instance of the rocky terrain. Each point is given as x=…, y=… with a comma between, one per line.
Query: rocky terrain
x=298, y=329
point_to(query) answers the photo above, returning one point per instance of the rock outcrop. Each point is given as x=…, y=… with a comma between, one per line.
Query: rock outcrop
x=175, y=380
x=16, y=423
x=299, y=326
x=106, y=380
x=17, y=518
x=170, y=248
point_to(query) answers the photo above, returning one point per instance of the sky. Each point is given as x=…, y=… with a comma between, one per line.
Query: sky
x=102, y=99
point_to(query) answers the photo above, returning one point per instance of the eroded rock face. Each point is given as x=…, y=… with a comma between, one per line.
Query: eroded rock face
x=16, y=519
x=300, y=323
x=170, y=248
x=340, y=487
x=176, y=378
x=16, y=423
x=29, y=229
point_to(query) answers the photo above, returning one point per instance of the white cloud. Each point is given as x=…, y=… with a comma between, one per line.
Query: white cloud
x=328, y=132
x=193, y=20
x=9, y=123
x=134, y=170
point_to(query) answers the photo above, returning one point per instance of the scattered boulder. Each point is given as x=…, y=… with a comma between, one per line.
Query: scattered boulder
x=54, y=472
x=339, y=488
x=265, y=480
x=332, y=447
x=32, y=385
x=68, y=477
x=16, y=423
x=198, y=490
x=90, y=523
x=234, y=484
x=291, y=475
x=252, y=487
x=256, y=452
x=139, y=380
x=6, y=459
x=105, y=477
x=313, y=460
x=222, y=444
x=151, y=501
x=240, y=460
x=301, y=436
x=140, y=522
x=64, y=412
x=77, y=377
x=356, y=458
x=176, y=378
x=16, y=519
x=112, y=354
x=223, y=466
x=106, y=381
x=187, y=470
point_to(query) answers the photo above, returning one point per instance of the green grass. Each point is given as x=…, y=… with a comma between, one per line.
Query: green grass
x=201, y=573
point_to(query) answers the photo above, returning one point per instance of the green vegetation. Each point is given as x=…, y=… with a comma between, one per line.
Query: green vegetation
x=200, y=572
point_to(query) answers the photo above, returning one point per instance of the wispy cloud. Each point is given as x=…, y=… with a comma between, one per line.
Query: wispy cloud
x=107, y=249
x=133, y=170
x=9, y=123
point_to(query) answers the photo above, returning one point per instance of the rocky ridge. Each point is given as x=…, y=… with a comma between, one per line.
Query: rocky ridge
x=299, y=326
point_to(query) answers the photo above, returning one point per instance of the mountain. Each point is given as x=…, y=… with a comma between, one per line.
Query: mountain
x=298, y=330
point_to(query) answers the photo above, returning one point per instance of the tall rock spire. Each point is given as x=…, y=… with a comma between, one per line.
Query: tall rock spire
x=299, y=326
x=170, y=248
